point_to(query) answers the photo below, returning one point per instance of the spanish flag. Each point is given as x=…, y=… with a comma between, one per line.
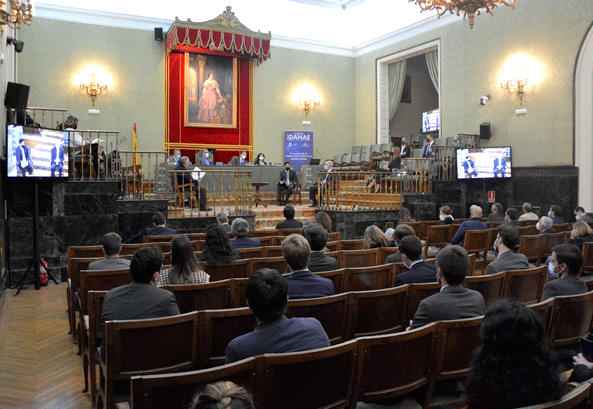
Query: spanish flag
x=135, y=145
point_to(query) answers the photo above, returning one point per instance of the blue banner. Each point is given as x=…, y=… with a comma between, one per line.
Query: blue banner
x=298, y=148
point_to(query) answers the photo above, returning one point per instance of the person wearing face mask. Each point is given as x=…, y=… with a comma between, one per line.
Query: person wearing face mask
x=446, y=215
x=544, y=225
x=429, y=149
x=260, y=160
x=555, y=214
x=239, y=160
x=405, y=148
x=326, y=180
x=204, y=158
x=419, y=271
x=580, y=214
x=581, y=233
x=286, y=182
x=510, y=217
x=506, y=240
x=566, y=264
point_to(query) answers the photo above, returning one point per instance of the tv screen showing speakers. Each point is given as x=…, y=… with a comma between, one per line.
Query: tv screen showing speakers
x=37, y=152
x=430, y=121
x=484, y=163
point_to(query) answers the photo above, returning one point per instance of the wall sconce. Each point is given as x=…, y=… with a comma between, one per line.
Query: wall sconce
x=20, y=11
x=94, y=88
x=516, y=85
x=308, y=104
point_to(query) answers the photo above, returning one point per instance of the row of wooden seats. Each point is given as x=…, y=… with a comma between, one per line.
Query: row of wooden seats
x=251, y=234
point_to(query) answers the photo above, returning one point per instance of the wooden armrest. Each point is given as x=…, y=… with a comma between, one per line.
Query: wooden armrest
x=122, y=405
x=86, y=322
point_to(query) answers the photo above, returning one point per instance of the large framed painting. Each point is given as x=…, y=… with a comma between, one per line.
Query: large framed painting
x=210, y=91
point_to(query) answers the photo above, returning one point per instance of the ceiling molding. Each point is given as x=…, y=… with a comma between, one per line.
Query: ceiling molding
x=332, y=4
x=311, y=46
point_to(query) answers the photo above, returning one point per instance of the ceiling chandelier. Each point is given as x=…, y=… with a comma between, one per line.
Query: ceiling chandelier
x=469, y=8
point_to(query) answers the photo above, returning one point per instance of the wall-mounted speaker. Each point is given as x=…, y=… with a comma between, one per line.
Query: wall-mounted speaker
x=17, y=95
x=485, y=130
x=158, y=34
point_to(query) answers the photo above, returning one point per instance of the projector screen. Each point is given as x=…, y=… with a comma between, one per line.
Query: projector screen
x=484, y=163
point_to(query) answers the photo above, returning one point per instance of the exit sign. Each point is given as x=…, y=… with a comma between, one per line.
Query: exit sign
x=491, y=196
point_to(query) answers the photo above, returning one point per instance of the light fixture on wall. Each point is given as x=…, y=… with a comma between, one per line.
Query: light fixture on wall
x=20, y=11
x=516, y=85
x=93, y=87
x=308, y=103
x=469, y=8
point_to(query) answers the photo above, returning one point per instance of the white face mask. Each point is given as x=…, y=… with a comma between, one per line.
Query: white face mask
x=206, y=154
x=261, y=158
x=177, y=156
x=578, y=217
x=495, y=246
x=243, y=156
x=325, y=167
x=442, y=216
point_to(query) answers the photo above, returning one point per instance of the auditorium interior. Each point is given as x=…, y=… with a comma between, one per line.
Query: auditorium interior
x=516, y=83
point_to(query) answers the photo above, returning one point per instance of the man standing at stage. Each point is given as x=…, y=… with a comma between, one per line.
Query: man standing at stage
x=328, y=179
x=57, y=159
x=22, y=154
x=192, y=184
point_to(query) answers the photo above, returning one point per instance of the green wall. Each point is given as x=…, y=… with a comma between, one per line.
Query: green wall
x=550, y=32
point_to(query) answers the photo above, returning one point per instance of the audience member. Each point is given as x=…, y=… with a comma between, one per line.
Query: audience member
x=223, y=222
x=405, y=148
x=454, y=301
x=111, y=243
x=506, y=240
x=511, y=217
x=375, y=238
x=515, y=366
x=566, y=264
x=290, y=222
x=419, y=271
x=191, y=184
x=401, y=231
x=405, y=216
x=222, y=395
x=140, y=299
x=583, y=369
x=240, y=228
x=528, y=213
x=159, y=229
x=316, y=235
x=473, y=224
x=580, y=214
x=218, y=249
x=429, y=149
x=555, y=214
x=302, y=283
x=496, y=213
x=544, y=225
x=446, y=215
x=286, y=183
x=267, y=296
x=581, y=233
x=324, y=220
x=185, y=268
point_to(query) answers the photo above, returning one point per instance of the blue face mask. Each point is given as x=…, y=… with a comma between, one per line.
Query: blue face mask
x=550, y=214
x=427, y=139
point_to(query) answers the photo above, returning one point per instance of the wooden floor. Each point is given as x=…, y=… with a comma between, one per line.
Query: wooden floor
x=39, y=367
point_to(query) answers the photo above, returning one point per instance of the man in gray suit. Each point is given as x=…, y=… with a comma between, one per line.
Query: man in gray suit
x=239, y=160
x=140, y=299
x=204, y=158
x=454, y=301
x=567, y=261
x=506, y=240
x=111, y=243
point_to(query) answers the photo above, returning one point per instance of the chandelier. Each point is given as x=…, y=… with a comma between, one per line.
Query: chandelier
x=20, y=11
x=93, y=87
x=469, y=8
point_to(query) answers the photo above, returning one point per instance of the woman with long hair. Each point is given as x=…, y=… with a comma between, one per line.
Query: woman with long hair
x=185, y=268
x=222, y=395
x=324, y=220
x=374, y=238
x=260, y=160
x=515, y=366
x=218, y=248
x=581, y=233
x=405, y=216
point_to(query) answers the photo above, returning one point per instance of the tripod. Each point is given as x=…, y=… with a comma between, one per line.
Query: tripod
x=35, y=264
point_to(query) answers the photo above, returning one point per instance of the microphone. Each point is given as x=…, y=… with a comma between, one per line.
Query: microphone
x=316, y=150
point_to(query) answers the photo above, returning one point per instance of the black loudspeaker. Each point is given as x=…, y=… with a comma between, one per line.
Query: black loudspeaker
x=158, y=34
x=17, y=95
x=485, y=130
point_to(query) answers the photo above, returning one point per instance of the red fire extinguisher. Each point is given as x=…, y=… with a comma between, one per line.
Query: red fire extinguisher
x=43, y=272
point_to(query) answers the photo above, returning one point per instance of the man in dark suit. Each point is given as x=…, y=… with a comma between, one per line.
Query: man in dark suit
x=57, y=159
x=186, y=179
x=496, y=213
x=580, y=214
x=302, y=283
x=266, y=294
x=401, y=231
x=511, y=216
x=327, y=180
x=239, y=160
x=240, y=228
x=500, y=165
x=473, y=224
x=566, y=263
x=454, y=301
x=111, y=243
x=22, y=154
x=159, y=229
x=316, y=235
x=429, y=149
x=419, y=271
x=203, y=158
x=469, y=167
x=286, y=182
x=289, y=222
x=141, y=298
x=555, y=214
x=506, y=240
x=405, y=149
x=223, y=222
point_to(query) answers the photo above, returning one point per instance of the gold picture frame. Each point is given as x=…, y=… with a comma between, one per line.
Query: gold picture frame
x=210, y=98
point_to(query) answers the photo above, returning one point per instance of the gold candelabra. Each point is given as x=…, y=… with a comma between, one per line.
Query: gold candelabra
x=517, y=86
x=94, y=88
x=308, y=104
x=20, y=11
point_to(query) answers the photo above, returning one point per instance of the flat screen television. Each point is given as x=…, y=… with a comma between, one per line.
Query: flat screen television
x=37, y=152
x=484, y=163
x=430, y=121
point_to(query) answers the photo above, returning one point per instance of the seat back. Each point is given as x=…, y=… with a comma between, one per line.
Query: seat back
x=545, y=309
x=416, y=293
x=476, y=241
x=160, y=239
x=254, y=252
x=356, y=149
x=417, y=226
x=131, y=248
x=549, y=242
x=359, y=258
x=273, y=251
x=85, y=252
x=526, y=230
x=322, y=378
x=578, y=398
x=352, y=244
x=385, y=252
x=571, y=319
x=370, y=278
x=335, y=236
x=236, y=269
x=276, y=263
x=525, y=285
x=333, y=245
x=331, y=312
x=100, y=280
x=346, y=159
x=437, y=236
x=366, y=148
x=265, y=241
x=378, y=378
x=490, y=286
x=423, y=229
x=209, y=296
x=531, y=247
x=260, y=233
x=387, y=307
x=338, y=277
x=588, y=256
x=240, y=298
x=175, y=390
x=562, y=227
x=219, y=327
x=75, y=266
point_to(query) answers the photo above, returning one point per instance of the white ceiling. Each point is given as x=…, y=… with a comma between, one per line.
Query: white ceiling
x=319, y=20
